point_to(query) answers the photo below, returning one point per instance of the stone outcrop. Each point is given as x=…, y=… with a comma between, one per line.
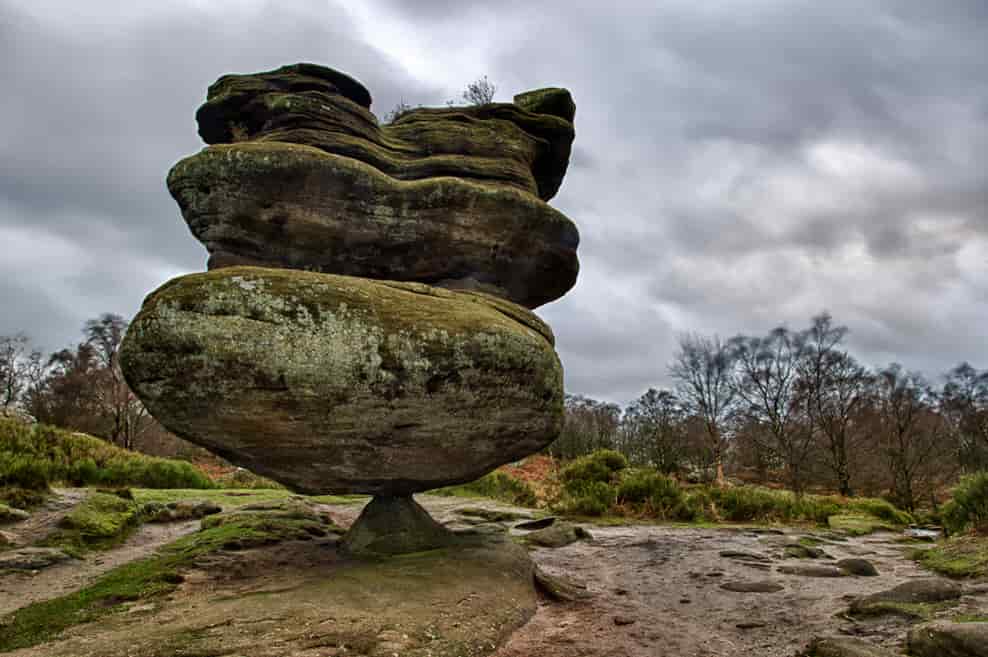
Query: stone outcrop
x=301, y=175
x=946, y=639
x=334, y=384
x=364, y=327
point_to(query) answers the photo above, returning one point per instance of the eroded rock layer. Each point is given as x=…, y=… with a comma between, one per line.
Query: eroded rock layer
x=276, y=204
x=472, y=179
x=338, y=384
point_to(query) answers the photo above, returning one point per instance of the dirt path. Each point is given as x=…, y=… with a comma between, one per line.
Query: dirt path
x=18, y=589
x=657, y=591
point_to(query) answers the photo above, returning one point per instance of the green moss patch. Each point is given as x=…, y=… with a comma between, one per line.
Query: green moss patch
x=857, y=524
x=157, y=575
x=912, y=610
x=961, y=556
x=99, y=521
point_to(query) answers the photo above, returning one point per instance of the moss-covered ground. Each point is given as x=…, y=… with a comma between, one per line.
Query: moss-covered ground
x=960, y=556
x=157, y=575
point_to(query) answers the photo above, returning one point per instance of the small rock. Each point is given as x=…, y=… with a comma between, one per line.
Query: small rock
x=743, y=555
x=685, y=601
x=797, y=551
x=812, y=571
x=749, y=625
x=558, y=588
x=32, y=558
x=765, y=586
x=859, y=567
x=557, y=535
x=532, y=525
x=7, y=539
x=845, y=647
x=915, y=592
x=9, y=514
x=624, y=620
x=944, y=639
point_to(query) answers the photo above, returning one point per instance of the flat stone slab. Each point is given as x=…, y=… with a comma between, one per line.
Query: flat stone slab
x=32, y=558
x=765, y=586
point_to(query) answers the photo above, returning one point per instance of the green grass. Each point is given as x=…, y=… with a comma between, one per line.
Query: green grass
x=960, y=556
x=36, y=457
x=154, y=576
x=225, y=498
x=857, y=524
x=495, y=485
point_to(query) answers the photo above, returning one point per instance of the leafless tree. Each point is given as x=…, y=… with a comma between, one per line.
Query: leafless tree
x=18, y=366
x=479, y=92
x=833, y=387
x=964, y=405
x=703, y=369
x=653, y=431
x=126, y=414
x=913, y=434
x=767, y=382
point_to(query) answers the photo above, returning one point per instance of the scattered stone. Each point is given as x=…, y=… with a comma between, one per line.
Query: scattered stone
x=559, y=589
x=812, y=570
x=945, y=639
x=749, y=625
x=492, y=515
x=541, y=523
x=624, y=620
x=685, y=601
x=845, y=647
x=910, y=599
x=766, y=586
x=859, y=567
x=744, y=555
x=798, y=551
x=559, y=534
x=9, y=514
x=32, y=558
x=178, y=511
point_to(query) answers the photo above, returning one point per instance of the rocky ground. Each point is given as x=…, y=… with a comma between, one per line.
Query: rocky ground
x=642, y=590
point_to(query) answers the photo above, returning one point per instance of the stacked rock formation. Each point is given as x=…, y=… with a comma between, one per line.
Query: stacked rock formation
x=365, y=324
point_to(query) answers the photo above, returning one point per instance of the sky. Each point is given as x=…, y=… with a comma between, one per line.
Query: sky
x=738, y=165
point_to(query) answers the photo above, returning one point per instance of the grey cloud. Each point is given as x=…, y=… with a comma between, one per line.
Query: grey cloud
x=738, y=164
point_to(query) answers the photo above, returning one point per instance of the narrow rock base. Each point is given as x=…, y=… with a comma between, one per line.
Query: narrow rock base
x=394, y=525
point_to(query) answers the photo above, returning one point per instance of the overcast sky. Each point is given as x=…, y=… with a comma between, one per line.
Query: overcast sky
x=737, y=165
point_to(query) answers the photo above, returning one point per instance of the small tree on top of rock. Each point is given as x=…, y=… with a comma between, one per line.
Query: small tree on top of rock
x=479, y=92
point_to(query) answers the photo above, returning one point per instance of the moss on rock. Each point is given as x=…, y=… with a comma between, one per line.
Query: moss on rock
x=334, y=384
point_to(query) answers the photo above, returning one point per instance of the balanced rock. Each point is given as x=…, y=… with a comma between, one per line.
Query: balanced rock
x=301, y=175
x=334, y=384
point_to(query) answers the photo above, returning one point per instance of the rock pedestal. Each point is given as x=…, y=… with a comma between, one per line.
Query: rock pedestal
x=364, y=326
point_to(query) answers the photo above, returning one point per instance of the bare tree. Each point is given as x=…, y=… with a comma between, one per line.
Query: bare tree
x=126, y=414
x=834, y=387
x=703, y=369
x=18, y=364
x=964, y=405
x=479, y=92
x=653, y=431
x=588, y=425
x=400, y=109
x=913, y=434
x=767, y=382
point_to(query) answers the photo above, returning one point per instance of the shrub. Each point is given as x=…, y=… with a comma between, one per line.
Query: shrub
x=591, y=498
x=496, y=485
x=969, y=507
x=601, y=466
x=34, y=457
x=881, y=509
x=654, y=493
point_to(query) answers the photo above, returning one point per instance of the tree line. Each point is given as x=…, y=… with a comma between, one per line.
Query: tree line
x=80, y=387
x=794, y=406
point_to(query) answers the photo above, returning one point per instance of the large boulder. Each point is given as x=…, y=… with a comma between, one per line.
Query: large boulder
x=945, y=639
x=277, y=204
x=333, y=384
x=301, y=175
